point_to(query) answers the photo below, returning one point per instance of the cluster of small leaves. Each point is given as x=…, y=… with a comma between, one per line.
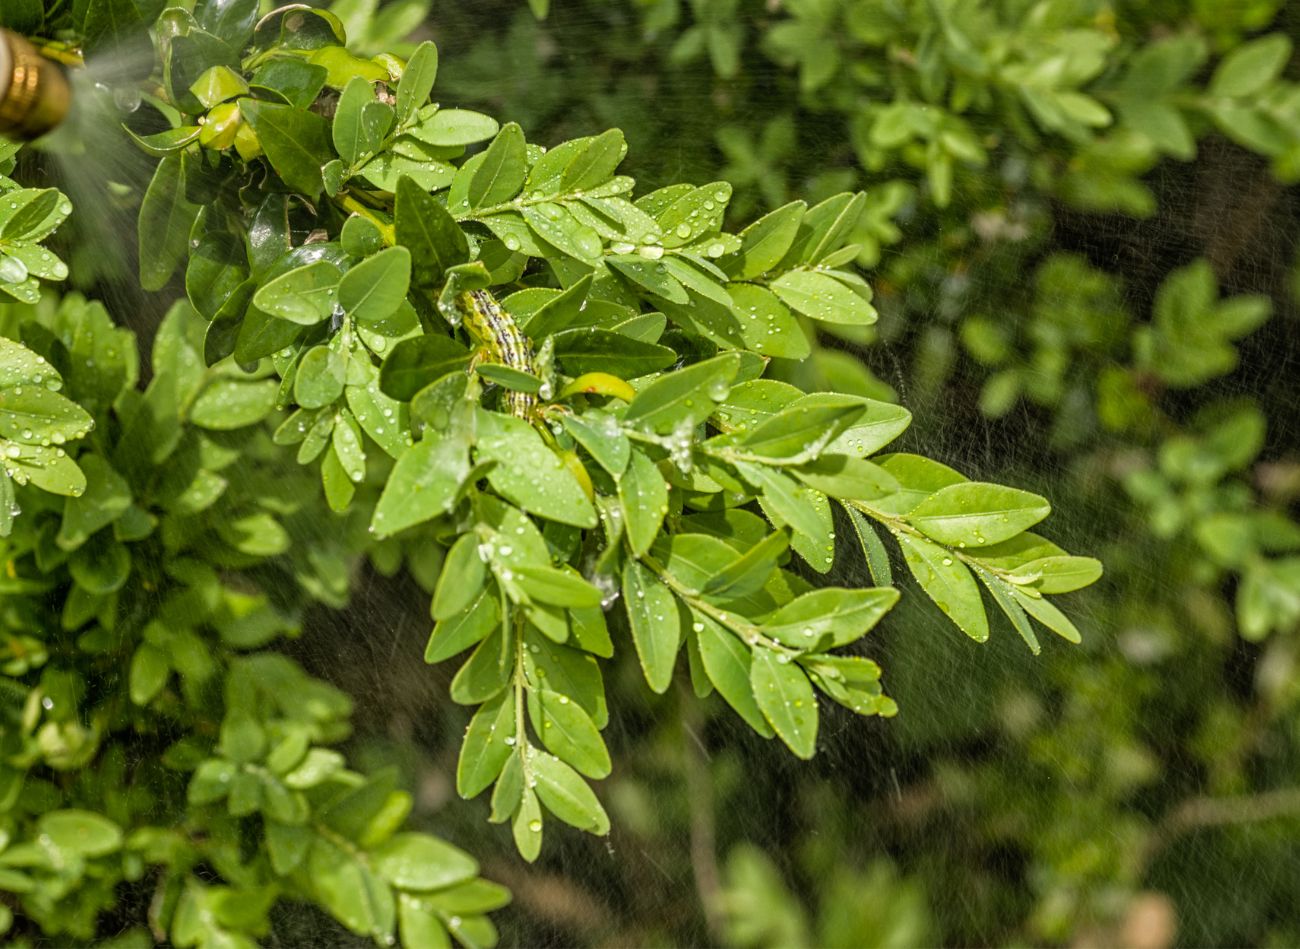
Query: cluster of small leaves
x=139, y=607
x=36, y=420
x=331, y=224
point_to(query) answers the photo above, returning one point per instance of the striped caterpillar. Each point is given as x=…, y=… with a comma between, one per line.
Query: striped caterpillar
x=501, y=341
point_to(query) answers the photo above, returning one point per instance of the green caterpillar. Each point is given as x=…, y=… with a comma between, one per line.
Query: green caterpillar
x=499, y=336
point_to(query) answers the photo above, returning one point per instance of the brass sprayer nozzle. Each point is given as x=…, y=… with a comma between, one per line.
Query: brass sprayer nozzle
x=34, y=93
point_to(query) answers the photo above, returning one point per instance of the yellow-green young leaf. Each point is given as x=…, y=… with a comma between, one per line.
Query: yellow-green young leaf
x=485, y=748
x=567, y=795
x=975, y=514
x=786, y=699
x=822, y=297
x=1062, y=574
x=423, y=484
x=419, y=862
x=948, y=582
x=374, y=289
x=462, y=578
x=879, y=425
x=643, y=496
x=568, y=732
x=656, y=624
x=528, y=473
x=726, y=661
x=829, y=617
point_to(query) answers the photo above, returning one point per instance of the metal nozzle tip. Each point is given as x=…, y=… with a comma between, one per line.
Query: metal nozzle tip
x=34, y=93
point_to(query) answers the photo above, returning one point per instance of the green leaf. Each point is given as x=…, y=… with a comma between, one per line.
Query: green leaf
x=417, y=82
x=467, y=628
x=35, y=414
x=305, y=296
x=594, y=165
x=1047, y=614
x=599, y=350
x=320, y=377
x=456, y=127
x=424, y=226
x=502, y=171
x=358, y=130
x=528, y=473
x=420, y=862
x=872, y=548
x=166, y=216
x=974, y=514
x=485, y=748
x=643, y=497
x=1246, y=70
x=80, y=832
x=801, y=432
x=1005, y=599
x=296, y=142
x=568, y=732
x=651, y=276
x=685, y=396
x=228, y=404
x=374, y=289
x=727, y=662
x=751, y=570
x=350, y=891
x=829, y=617
x=424, y=484
x=566, y=795
x=560, y=229
x=765, y=242
x=603, y=438
x=948, y=582
x=557, y=586
x=418, y=362
x=463, y=576
x=821, y=297
x=655, y=622
x=786, y=699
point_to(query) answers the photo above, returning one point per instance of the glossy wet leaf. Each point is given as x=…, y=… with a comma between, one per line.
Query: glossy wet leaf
x=786, y=699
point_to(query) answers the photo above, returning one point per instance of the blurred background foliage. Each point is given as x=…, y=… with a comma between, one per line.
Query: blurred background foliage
x=1081, y=227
